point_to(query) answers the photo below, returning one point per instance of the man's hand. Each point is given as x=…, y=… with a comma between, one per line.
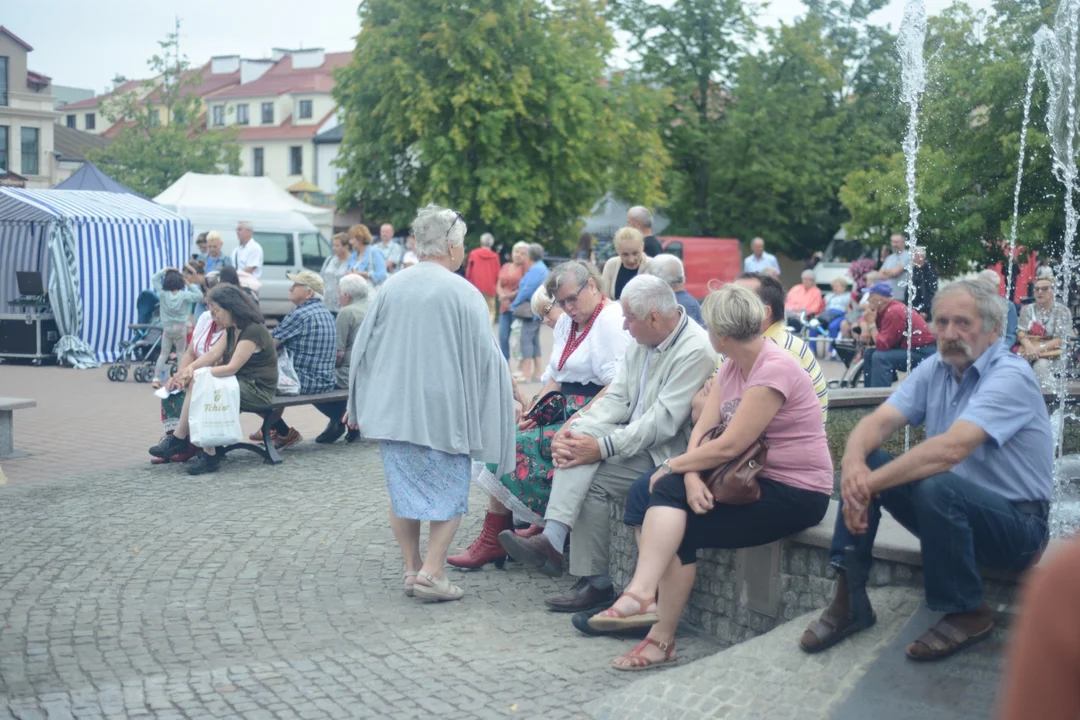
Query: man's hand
x=855, y=492
x=575, y=449
x=698, y=496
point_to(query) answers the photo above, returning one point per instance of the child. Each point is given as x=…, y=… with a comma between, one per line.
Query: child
x=175, y=298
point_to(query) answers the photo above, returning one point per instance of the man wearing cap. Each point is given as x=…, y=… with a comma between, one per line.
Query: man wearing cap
x=309, y=334
x=887, y=339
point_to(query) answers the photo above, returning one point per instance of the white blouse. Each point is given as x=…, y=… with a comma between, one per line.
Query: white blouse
x=597, y=357
x=201, y=338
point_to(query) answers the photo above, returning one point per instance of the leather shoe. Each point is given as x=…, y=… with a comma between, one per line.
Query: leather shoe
x=533, y=552
x=332, y=432
x=580, y=597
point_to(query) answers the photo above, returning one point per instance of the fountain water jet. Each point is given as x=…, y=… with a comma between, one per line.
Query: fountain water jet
x=1020, y=170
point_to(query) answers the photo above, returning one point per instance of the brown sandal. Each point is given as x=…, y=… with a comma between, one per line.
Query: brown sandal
x=943, y=640
x=828, y=630
x=635, y=661
x=613, y=619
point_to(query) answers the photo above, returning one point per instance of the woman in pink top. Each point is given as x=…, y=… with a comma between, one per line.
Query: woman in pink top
x=760, y=390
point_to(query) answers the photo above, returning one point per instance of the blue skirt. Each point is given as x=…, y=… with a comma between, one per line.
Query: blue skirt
x=425, y=484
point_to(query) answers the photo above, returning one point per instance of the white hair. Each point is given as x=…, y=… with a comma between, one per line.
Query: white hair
x=245, y=224
x=355, y=286
x=668, y=268
x=989, y=275
x=645, y=293
x=641, y=215
x=989, y=304
x=807, y=272
x=437, y=229
x=487, y=240
x=541, y=302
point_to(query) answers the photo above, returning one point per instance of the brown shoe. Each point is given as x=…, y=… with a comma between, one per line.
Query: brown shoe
x=285, y=441
x=580, y=597
x=533, y=552
x=257, y=436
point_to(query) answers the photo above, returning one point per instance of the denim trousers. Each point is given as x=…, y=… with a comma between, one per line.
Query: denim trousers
x=960, y=524
x=880, y=366
x=506, y=319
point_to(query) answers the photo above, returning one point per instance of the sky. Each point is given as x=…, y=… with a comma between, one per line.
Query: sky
x=86, y=44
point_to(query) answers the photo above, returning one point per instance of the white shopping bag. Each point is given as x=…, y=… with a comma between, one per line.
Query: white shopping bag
x=214, y=414
x=287, y=381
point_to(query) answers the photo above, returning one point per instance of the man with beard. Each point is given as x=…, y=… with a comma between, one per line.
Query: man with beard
x=976, y=492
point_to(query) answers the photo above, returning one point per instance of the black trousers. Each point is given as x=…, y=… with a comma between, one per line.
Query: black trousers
x=782, y=510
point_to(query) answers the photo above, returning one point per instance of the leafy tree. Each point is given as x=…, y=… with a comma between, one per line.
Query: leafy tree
x=164, y=133
x=499, y=110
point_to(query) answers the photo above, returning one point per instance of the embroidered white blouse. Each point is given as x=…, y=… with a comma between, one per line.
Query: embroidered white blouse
x=599, y=354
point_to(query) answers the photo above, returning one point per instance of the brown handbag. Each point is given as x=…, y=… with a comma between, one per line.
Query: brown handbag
x=735, y=482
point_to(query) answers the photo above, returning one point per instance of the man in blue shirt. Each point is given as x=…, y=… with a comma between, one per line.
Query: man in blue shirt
x=670, y=269
x=536, y=273
x=759, y=261
x=976, y=491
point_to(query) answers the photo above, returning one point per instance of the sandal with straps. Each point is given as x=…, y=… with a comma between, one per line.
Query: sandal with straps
x=615, y=619
x=634, y=660
x=409, y=585
x=438, y=590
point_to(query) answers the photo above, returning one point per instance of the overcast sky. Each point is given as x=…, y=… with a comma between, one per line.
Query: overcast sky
x=85, y=44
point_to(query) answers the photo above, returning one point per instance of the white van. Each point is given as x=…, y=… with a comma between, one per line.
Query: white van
x=290, y=243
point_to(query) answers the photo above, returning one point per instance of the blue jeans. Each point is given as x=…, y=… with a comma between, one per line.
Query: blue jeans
x=880, y=366
x=505, y=320
x=959, y=523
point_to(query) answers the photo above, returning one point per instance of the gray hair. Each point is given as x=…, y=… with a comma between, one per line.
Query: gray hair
x=536, y=252
x=987, y=301
x=246, y=225
x=809, y=272
x=437, y=229
x=521, y=244
x=641, y=215
x=487, y=240
x=355, y=286
x=541, y=302
x=645, y=293
x=575, y=271
x=733, y=312
x=989, y=275
x=668, y=268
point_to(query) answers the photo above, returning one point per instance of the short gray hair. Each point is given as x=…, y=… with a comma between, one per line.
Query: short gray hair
x=574, y=271
x=541, y=302
x=487, y=240
x=668, y=268
x=989, y=275
x=246, y=225
x=809, y=272
x=536, y=252
x=521, y=244
x=733, y=312
x=437, y=229
x=987, y=301
x=355, y=286
x=645, y=293
x=641, y=215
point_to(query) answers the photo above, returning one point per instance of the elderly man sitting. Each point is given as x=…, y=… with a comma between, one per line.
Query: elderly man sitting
x=670, y=269
x=975, y=492
x=310, y=337
x=886, y=337
x=642, y=419
x=353, y=292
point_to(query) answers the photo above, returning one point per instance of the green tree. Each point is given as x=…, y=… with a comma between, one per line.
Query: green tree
x=164, y=133
x=499, y=110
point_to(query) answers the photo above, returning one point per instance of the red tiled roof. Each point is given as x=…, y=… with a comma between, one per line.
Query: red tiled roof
x=282, y=78
x=16, y=38
x=33, y=78
x=116, y=128
x=285, y=131
x=124, y=87
x=209, y=84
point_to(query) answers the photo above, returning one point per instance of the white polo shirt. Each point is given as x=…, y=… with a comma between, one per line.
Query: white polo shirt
x=245, y=256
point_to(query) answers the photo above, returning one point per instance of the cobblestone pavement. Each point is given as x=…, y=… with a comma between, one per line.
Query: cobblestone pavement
x=767, y=678
x=266, y=592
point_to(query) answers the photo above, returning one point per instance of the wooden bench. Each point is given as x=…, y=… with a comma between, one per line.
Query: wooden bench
x=8, y=406
x=267, y=450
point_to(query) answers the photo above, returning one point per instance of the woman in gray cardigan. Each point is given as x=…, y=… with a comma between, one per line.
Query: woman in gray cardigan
x=427, y=380
x=630, y=262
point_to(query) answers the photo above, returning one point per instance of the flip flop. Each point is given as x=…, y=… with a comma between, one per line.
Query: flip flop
x=944, y=640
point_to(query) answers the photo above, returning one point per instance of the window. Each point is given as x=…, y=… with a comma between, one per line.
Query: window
x=305, y=109
x=242, y=114
x=217, y=115
x=3, y=80
x=30, y=151
x=155, y=116
x=675, y=249
x=277, y=248
x=296, y=160
x=4, y=129
x=257, y=162
x=313, y=251
x=268, y=113
x=70, y=121
x=90, y=121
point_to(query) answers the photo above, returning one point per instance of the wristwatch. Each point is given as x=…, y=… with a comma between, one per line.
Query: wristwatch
x=666, y=466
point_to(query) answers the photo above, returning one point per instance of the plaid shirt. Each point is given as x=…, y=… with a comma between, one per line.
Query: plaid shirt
x=310, y=335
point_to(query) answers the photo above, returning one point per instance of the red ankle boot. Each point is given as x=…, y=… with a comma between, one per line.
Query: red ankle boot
x=485, y=548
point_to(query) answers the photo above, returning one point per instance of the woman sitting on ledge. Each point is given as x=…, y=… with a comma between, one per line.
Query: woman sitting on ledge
x=761, y=390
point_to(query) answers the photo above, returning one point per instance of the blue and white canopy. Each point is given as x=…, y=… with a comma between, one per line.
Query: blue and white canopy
x=98, y=250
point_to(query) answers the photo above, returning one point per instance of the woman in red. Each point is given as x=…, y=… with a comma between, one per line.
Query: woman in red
x=507, y=288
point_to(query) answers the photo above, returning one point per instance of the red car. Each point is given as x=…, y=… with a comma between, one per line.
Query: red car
x=705, y=260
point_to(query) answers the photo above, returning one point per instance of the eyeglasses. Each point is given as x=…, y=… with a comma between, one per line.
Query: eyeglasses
x=568, y=300
x=457, y=216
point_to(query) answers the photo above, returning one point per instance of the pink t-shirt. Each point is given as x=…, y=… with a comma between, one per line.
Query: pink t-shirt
x=798, y=452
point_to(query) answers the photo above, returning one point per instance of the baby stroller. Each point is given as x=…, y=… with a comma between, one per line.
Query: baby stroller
x=142, y=349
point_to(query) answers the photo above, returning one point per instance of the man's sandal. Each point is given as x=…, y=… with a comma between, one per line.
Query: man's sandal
x=634, y=660
x=615, y=619
x=943, y=640
x=830, y=629
x=409, y=585
x=438, y=591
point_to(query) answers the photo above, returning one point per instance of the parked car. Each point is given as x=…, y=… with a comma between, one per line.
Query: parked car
x=706, y=261
x=837, y=258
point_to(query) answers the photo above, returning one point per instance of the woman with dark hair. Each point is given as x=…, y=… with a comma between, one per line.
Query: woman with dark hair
x=246, y=350
x=585, y=248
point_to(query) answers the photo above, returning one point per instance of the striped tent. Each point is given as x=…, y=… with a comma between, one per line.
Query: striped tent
x=98, y=251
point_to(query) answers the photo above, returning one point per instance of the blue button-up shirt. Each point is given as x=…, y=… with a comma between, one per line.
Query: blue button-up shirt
x=752, y=264
x=309, y=333
x=1000, y=394
x=372, y=262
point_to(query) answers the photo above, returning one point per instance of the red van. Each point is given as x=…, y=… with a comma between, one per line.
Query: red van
x=705, y=259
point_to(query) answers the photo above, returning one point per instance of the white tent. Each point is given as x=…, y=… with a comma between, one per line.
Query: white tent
x=233, y=193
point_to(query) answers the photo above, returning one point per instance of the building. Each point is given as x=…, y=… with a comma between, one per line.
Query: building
x=71, y=147
x=27, y=118
x=88, y=114
x=65, y=95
